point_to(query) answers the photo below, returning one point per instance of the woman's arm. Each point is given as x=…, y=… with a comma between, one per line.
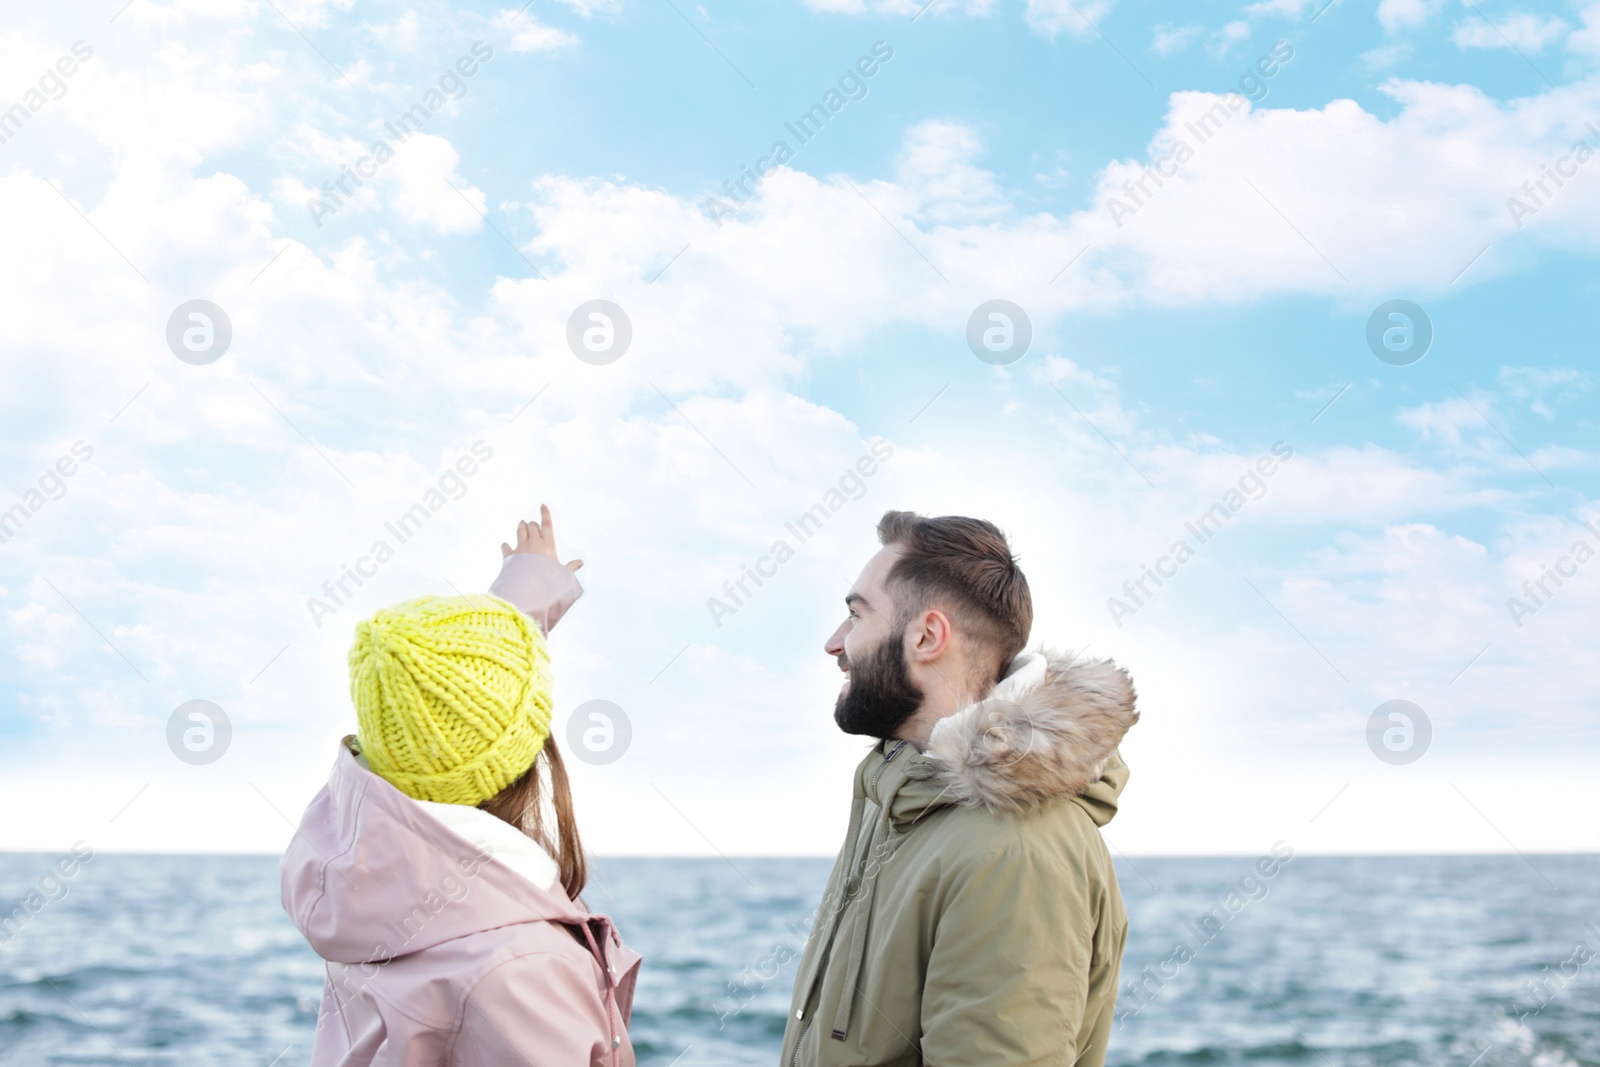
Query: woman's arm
x=532, y=576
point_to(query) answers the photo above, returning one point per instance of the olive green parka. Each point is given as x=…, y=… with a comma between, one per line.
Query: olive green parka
x=973, y=917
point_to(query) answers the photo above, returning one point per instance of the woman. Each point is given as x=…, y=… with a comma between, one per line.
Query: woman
x=429, y=873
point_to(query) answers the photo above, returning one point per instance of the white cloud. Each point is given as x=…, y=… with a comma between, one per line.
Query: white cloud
x=1521, y=31
x=429, y=190
x=1396, y=15
x=417, y=181
x=1470, y=428
x=1286, y=8
x=178, y=103
x=313, y=12
x=938, y=168
x=1230, y=34
x=535, y=36
x=903, y=7
x=1078, y=18
x=1433, y=181
x=1170, y=40
x=403, y=34
x=587, y=8
x=528, y=34
x=1545, y=388
x=1585, y=40
x=1444, y=421
x=1387, y=56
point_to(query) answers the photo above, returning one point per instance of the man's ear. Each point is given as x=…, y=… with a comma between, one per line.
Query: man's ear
x=930, y=636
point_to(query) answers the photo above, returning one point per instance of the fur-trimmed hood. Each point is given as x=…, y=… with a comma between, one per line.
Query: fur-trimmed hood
x=1049, y=729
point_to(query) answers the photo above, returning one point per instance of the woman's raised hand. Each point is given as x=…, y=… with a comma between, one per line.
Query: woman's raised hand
x=538, y=538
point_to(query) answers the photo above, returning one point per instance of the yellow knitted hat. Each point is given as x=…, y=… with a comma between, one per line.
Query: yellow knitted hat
x=452, y=696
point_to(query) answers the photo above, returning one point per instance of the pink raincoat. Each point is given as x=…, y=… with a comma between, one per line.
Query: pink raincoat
x=448, y=936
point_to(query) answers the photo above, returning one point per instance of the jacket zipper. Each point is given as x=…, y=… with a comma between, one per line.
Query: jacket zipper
x=801, y=1043
x=886, y=759
x=612, y=1017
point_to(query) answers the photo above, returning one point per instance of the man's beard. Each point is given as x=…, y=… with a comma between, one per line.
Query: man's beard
x=881, y=695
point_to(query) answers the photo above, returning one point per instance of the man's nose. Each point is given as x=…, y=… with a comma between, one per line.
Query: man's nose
x=835, y=644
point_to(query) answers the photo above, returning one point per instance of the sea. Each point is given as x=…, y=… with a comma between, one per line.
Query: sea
x=1469, y=961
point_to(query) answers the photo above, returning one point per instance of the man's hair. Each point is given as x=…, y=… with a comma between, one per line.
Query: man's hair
x=965, y=567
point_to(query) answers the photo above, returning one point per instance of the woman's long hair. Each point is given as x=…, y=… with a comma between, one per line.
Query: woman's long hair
x=522, y=804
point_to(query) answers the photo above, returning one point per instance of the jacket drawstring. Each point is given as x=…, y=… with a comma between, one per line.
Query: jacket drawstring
x=858, y=930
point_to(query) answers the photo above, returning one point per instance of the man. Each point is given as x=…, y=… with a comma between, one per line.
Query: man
x=973, y=916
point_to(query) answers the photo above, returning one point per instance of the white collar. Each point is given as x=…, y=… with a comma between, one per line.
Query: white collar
x=521, y=853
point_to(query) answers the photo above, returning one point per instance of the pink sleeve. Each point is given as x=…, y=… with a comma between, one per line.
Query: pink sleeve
x=538, y=586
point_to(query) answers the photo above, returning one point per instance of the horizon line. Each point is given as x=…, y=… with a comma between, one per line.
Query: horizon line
x=599, y=856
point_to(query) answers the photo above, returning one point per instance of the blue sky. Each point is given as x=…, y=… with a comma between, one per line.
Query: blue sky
x=1172, y=346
